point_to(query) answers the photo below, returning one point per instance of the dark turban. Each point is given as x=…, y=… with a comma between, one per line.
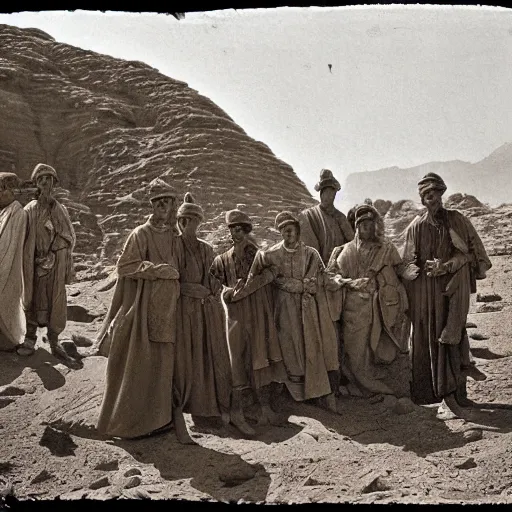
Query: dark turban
x=431, y=181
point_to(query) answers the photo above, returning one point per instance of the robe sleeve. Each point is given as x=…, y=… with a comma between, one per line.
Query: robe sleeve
x=217, y=271
x=215, y=284
x=346, y=228
x=259, y=276
x=410, y=251
x=29, y=249
x=481, y=261
x=133, y=263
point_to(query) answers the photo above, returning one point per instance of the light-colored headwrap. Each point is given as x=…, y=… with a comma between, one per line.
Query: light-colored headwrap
x=190, y=208
x=158, y=188
x=42, y=170
x=9, y=180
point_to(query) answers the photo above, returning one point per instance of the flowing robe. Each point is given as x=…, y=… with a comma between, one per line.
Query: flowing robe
x=307, y=335
x=13, y=222
x=202, y=374
x=139, y=335
x=47, y=265
x=439, y=305
x=324, y=231
x=375, y=327
x=253, y=342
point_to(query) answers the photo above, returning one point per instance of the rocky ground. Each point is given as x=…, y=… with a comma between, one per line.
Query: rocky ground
x=383, y=452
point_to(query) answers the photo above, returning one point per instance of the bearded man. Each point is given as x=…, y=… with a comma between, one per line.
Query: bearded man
x=13, y=222
x=445, y=248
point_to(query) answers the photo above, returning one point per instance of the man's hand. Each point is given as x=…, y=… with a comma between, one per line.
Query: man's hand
x=227, y=295
x=411, y=272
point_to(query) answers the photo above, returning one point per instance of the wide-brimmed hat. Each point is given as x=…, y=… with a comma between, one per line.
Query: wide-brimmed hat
x=284, y=219
x=234, y=217
x=44, y=170
x=158, y=188
x=431, y=181
x=327, y=180
x=189, y=208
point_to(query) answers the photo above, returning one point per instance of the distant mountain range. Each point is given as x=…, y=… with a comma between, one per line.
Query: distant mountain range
x=490, y=180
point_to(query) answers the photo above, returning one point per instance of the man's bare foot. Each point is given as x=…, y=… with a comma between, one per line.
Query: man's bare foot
x=238, y=420
x=181, y=428
x=450, y=409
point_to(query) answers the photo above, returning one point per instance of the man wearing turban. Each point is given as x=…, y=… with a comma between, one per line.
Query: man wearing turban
x=47, y=263
x=449, y=256
x=202, y=374
x=139, y=332
x=13, y=221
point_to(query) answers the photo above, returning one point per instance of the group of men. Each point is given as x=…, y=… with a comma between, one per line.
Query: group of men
x=36, y=255
x=324, y=312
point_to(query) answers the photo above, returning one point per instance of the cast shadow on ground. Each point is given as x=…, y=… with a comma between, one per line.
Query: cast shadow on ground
x=418, y=431
x=224, y=477
x=42, y=362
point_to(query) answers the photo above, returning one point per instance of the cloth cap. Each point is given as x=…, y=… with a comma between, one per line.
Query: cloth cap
x=366, y=212
x=42, y=170
x=158, y=188
x=189, y=208
x=284, y=219
x=234, y=217
x=327, y=180
x=431, y=181
x=9, y=180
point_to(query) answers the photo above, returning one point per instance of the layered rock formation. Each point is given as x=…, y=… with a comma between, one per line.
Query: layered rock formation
x=110, y=126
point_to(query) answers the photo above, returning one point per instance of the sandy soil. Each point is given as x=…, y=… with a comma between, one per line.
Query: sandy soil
x=384, y=452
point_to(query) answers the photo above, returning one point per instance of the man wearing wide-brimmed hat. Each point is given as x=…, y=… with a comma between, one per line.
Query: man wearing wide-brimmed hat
x=202, y=374
x=47, y=263
x=306, y=332
x=375, y=329
x=254, y=351
x=324, y=227
x=449, y=256
x=139, y=332
x=13, y=222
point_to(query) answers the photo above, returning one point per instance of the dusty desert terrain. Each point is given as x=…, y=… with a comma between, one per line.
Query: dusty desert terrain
x=384, y=452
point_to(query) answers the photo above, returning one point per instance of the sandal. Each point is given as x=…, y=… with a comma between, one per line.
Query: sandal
x=26, y=348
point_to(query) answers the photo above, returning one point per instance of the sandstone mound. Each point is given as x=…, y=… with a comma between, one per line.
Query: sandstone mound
x=110, y=126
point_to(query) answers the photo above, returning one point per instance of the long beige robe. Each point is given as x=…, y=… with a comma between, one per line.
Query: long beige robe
x=253, y=342
x=47, y=264
x=139, y=335
x=375, y=327
x=202, y=374
x=439, y=305
x=13, y=222
x=307, y=336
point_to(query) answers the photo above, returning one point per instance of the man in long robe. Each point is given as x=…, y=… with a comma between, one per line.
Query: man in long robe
x=202, y=374
x=323, y=226
x=374, y=323
x=444, y=246
x=47, y=263
x=307, y=336
x=139, y=331
x=13, y=222
x=253, y=342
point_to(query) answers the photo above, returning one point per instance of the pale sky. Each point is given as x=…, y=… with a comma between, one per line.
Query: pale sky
x=408, y=84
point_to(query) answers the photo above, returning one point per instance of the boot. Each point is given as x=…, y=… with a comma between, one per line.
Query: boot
x=181, y=427
x=27, y=348
x=268, y=416
x=237, y=414
x=58, y=351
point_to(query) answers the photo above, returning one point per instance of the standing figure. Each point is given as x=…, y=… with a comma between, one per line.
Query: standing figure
x=202, y=374
x=13, y=223
x=307, y=336
x=47, y=263
x=253, y=343
x=449, y=256
x=323, y=227
x=139, y=331
x=375, y=328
